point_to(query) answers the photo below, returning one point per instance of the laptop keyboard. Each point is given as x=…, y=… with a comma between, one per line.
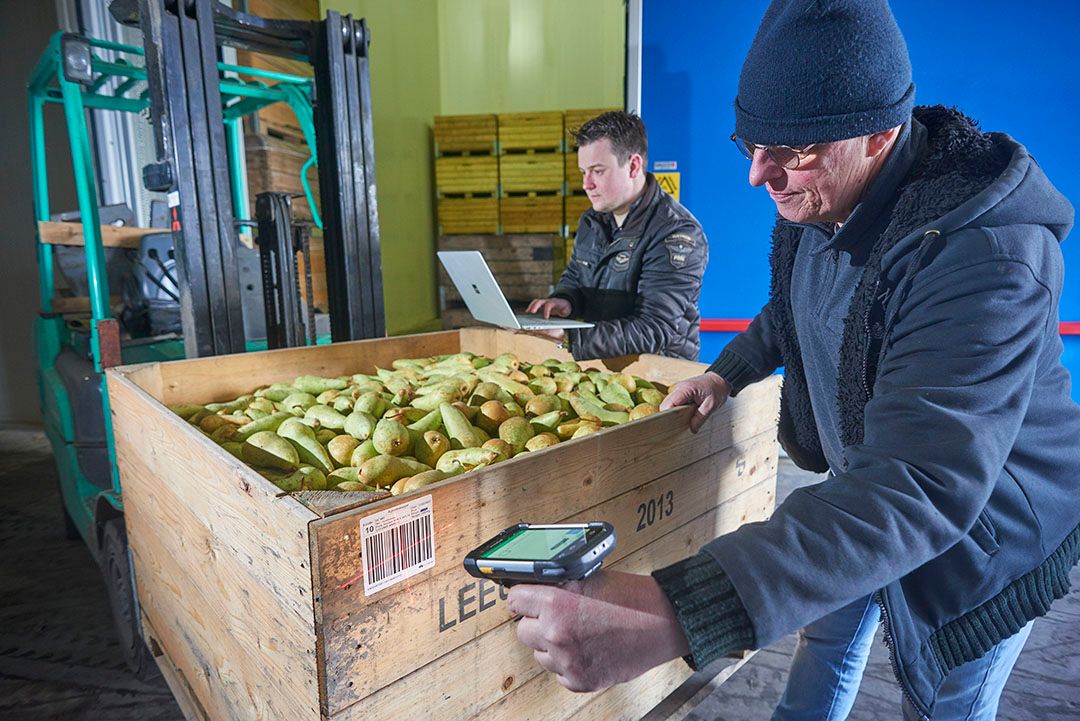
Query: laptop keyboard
x=530, y=322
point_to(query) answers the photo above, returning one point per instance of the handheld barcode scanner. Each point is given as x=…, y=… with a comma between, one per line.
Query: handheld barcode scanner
x=528, y=553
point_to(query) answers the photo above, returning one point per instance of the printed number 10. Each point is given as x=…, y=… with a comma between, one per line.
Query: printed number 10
x=655, y=509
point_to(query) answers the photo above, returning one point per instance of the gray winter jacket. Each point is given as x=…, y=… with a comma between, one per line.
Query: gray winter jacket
x=639, y=283
x=957, y=498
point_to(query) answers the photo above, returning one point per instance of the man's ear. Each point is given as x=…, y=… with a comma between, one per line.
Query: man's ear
x=636, y=165
x=879, y=141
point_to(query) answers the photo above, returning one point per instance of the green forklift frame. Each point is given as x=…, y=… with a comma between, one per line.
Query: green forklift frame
x=87, y=505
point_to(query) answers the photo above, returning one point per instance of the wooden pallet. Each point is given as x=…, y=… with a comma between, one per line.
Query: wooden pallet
x=467, y=174
x=465, y=133
x=574, y=119
x=254, y=603
x=278, y=119
x=532, y=213
x=459, y=216
x=275, y=164
x=524, y=265
x=575, y=206
x=531, y=171
x=531, y=131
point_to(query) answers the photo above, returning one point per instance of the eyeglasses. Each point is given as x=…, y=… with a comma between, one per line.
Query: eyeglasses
x=783, y=155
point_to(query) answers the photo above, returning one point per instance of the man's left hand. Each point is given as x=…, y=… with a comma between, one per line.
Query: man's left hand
x=595, y=633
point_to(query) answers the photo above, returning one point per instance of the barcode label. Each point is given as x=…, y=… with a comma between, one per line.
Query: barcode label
x=396, y=544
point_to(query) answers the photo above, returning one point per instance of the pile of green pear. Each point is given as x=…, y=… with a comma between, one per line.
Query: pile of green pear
x=419, y=422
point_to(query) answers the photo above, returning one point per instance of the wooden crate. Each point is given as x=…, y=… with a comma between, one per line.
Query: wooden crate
x=574, y=119
x=457, y=174
x=531, y=171
x=254, y=603
x=531, y=131
x=531, y=213
x=575, y=207
x=275, y=164
x=524, y=265
x=278, y=119
x=572, y=173
x=465, y=133
x=468, y=215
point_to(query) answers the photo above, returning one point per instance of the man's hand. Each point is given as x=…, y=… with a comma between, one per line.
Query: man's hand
x=547, y=307
x=705, y=392
x=595, y=633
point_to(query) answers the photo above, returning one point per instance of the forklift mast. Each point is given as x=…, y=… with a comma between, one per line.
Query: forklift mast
x=181, y=38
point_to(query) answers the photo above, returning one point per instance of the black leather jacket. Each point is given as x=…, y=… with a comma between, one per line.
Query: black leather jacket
x=640, y=283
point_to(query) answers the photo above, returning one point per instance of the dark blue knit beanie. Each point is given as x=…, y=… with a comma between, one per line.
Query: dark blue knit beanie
x=824, y=70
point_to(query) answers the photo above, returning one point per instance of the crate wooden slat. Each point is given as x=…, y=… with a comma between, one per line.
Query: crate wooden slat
x=572, y=173
x=535, y=214
x=574, y=119
x=524, y=172
x=576, y=205
x=459, y=216
x=467, y=174
x=465, y=133
x=523, y=131
x=255, y=601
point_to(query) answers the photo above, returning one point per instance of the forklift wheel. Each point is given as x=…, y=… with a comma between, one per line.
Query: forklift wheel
x=117, y=570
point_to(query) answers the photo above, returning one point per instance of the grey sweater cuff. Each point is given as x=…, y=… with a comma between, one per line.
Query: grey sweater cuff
x=732, y=368
x=707, y=608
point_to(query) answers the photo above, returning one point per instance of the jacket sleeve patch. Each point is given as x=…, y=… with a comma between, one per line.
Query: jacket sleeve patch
x=680, y=248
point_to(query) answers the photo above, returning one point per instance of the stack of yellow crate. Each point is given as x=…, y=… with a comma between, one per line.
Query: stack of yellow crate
x=531, y=177
x=467, y=174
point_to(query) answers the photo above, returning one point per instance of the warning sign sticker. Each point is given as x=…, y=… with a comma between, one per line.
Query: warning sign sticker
x=669, y=182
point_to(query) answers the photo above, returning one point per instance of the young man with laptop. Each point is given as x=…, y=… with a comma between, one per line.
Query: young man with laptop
x=638, y=259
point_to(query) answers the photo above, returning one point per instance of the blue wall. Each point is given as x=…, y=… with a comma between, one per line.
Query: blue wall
x=1011, y=67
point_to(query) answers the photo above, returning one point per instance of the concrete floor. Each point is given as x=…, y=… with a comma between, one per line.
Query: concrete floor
x=59, y=659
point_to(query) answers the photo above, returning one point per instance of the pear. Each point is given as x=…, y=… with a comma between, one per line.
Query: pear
x=316, y=385
x=341, y=448
x=643, y=409
x=491, y=416
x=542, y=404
x=343, y=405
x=430, y=447
x=364, y=452
x=467, y=459
x=186, y=410
x=423, y=479
x=297, y=403
x=500, y=446
x=516, y=431
x=354, y=486
x=269, y=423
x=327, y=397
x=371, y=403
x=547, y=422
x=616, y=394
x=302, y=479
x=276, y=392
x=391, y=438
x=461, y=432
x=326, y=417
x=325, y=435
x=307, y=445
x=544, y=386
x=268, y=449
x=585, y=429
x=359, y=425
x=650, y=396
x=541, y=441
x=382, y=471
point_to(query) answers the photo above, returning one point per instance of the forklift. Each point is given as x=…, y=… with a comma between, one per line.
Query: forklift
x=186, y=292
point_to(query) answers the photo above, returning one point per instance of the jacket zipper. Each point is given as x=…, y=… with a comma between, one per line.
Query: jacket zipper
x=890, y=643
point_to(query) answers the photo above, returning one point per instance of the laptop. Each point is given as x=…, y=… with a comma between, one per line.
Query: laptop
x=484, y=298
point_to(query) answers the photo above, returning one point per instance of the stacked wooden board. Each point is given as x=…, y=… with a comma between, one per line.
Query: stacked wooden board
x=257, y=606
x=467, y=174
x=531, y=175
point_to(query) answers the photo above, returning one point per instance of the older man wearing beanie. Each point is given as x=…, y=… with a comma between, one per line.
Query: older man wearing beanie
x=916, y=275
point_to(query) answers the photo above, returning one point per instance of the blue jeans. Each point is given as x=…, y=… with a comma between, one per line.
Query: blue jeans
x=831, y=655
